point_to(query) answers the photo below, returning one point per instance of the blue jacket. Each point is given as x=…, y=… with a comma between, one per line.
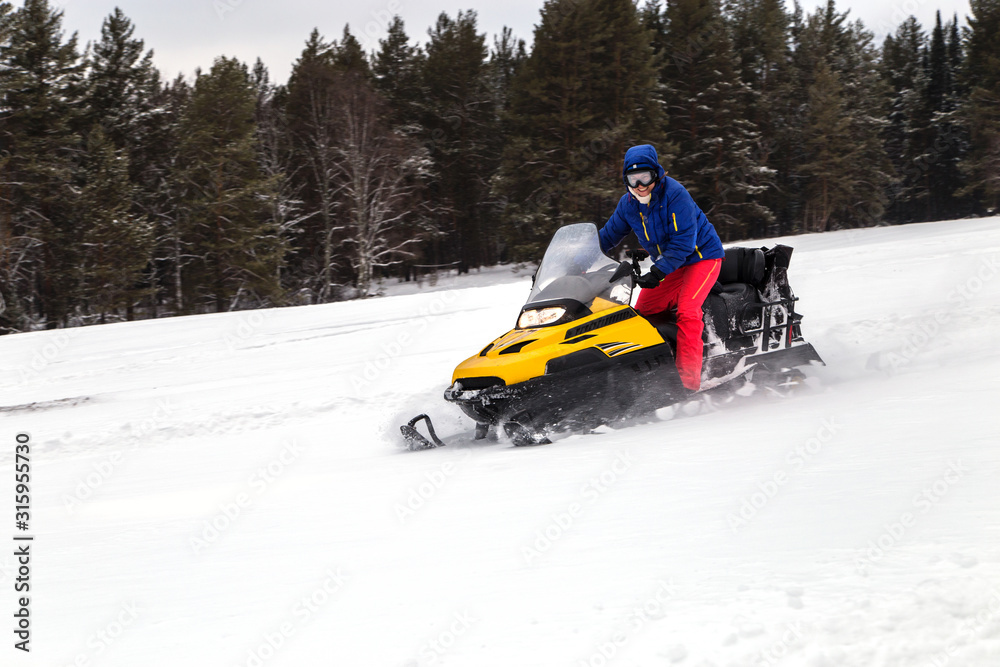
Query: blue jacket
x=671, y=228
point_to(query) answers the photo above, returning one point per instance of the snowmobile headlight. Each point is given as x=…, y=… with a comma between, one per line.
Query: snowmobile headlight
x=540, y=317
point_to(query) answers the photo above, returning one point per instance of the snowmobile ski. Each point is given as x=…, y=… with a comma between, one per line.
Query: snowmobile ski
x=414, y=440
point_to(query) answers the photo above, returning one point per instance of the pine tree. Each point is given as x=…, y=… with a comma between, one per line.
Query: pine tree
x=11, y=313
x=506, y=58
x=945, y=143
x=981, y=77
x=587, y=92
x=5, y=22
x=276, y=160
x=121, y=82
x=719, y=148
x=396, y=68
x=762, y=44
x=832, y=153
x=836, y=63
x=310, y=107
x=938, y=73
x=952, y=142
x=123, y=89
x=314, y=63
x=955, y=54
x=902, y=57
x=761, y=33
x=460, y=129
x=116, y=245
x=348, y=56
x=625, y=76
x=235, y=248
x=905, y=134
x=40, y=79
x=163, y=190
x=654, y=20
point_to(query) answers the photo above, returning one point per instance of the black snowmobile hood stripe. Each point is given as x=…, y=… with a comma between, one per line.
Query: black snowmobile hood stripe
x=517, y=347
x=578, y=339
x=607, y=320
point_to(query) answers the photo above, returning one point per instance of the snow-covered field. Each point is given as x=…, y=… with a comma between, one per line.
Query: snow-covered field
x=228, y=490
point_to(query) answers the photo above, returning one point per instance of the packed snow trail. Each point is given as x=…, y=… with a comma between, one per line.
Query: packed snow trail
x=228, y=489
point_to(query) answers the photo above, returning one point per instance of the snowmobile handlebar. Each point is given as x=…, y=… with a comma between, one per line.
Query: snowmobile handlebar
x=636, y=255
x=626, y=268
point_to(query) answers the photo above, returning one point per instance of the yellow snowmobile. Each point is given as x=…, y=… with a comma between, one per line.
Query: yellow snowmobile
x=580, y=355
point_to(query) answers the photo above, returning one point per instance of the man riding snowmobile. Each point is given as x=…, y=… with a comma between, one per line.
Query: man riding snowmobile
x=684, y=246
x=580, y=355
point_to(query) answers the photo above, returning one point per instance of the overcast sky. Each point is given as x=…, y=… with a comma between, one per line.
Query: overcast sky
x=186, y=34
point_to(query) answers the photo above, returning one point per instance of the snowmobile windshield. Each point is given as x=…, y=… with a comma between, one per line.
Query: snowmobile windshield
x=575, y=271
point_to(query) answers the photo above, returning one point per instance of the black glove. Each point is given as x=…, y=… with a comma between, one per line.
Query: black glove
x=651, y=279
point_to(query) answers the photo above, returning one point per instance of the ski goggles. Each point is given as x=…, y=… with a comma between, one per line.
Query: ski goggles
x=641, y=178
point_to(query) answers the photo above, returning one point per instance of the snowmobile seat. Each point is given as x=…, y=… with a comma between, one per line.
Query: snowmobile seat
x=740, y=277
x=666, y=324
x=722, y=313
x=724, y=308
x=735, y=295
x=737, y=300
x=741, y=265
x=718, y=312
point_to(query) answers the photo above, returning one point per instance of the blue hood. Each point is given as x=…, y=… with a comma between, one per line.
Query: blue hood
x=643, y=155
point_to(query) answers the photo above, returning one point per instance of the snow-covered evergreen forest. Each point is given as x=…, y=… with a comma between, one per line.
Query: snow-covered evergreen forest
x=125, y=196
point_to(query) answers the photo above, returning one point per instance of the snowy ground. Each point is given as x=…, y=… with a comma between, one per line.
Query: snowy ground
x=226, y=489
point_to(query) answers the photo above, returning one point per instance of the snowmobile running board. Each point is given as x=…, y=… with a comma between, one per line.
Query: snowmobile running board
x=415, y=441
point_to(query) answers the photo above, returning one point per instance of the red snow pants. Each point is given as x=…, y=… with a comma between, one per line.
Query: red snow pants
x=686, y=289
